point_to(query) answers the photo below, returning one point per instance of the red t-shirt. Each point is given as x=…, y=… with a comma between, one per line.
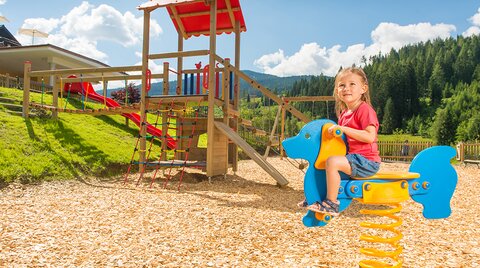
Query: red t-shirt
x=361, y=118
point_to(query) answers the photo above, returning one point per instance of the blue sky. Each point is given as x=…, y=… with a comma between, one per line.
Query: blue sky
x=283, y=37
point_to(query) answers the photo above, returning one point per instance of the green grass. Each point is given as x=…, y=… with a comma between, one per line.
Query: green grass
x=41, y=148
x=74, y=145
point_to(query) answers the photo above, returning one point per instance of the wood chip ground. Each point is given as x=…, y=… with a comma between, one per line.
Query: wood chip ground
x=243, y=220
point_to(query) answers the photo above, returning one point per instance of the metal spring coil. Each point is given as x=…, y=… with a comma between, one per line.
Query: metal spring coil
x=393, y=241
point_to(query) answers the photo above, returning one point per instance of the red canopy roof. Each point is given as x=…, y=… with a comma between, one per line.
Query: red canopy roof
x=192, y=17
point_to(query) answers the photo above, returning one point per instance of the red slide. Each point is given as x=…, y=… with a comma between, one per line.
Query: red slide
x=92, y=95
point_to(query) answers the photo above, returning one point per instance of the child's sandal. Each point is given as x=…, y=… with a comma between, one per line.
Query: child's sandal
x=326, y=206
x=303, y=204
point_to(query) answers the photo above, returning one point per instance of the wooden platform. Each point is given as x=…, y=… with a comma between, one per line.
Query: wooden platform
x=179, y=99
x=233, y=136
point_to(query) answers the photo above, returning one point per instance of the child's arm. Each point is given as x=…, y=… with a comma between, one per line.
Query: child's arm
x=367, y=135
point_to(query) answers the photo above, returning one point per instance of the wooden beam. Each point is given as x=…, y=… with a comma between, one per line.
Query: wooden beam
x=272, y=96
x=179, y=21
x=102, y=111
x=27, y=69
x=87, y=70
x=108, y=78
x=204, y=13
x=218, y=31
x=230, y=13
x=143, y=93
x=233, y=136
x=222, y=103
x=236, y=94
x=196, y=71
x=211, y=94
x=192, y=53
x=309, y=98
x=55, y=91
x=272, y=133
x=178, y=90
x=245, y=122
x=177, y=99
x=282, y=133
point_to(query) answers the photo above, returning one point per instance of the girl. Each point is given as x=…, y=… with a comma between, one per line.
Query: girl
x=358, y=121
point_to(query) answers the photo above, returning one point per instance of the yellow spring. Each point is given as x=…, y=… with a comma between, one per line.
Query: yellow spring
x=393, y=241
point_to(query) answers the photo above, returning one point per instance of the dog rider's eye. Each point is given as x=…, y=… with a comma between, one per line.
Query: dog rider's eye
x=307, y=135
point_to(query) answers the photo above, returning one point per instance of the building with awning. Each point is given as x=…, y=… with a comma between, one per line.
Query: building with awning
x=43, y=57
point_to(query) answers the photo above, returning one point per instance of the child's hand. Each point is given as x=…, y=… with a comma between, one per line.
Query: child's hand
x=335, y=130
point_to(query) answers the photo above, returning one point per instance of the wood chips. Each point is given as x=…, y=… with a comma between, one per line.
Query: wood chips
x=243, y=220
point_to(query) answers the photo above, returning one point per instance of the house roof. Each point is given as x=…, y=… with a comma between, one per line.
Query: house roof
x=42, y=57
x=6, y=38
x=192, y=17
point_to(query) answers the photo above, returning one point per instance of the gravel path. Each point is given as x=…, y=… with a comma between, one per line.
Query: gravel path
x=243, y=220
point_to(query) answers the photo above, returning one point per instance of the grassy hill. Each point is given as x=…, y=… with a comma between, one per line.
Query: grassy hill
x=72, y=146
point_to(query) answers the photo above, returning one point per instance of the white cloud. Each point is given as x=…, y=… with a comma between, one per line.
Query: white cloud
x=2, y=2
x=83, y=27
x=41, y=24
x=390, y=35
x=475, y=19
x=312, y=59
x=475, y=29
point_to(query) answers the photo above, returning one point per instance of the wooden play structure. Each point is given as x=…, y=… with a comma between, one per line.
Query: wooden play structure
x=212, y=108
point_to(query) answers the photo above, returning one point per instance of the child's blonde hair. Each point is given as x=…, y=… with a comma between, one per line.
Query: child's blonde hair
x=340, y=106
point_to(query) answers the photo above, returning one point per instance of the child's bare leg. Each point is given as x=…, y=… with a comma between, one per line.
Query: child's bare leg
x=333, y=166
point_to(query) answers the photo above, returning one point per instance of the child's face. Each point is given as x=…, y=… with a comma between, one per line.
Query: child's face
x=350, y=89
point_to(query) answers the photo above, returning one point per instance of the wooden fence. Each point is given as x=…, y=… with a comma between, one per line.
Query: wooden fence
x=17, y=82
x=469, y=152
x=401, y=151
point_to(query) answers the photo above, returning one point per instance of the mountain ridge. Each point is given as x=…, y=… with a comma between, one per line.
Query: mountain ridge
x=272, y=82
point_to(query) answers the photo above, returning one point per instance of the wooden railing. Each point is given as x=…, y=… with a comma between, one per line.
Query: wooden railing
x=468, y=152
x=401, y=151
x=17, y=82
x=9, y=81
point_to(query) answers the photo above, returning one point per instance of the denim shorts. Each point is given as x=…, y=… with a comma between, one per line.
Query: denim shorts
x=361, y=166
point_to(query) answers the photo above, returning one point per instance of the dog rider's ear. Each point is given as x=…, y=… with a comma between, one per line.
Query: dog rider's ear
x=329, y=146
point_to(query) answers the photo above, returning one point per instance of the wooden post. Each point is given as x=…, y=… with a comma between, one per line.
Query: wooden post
x=166, y=84
x=226, y=103
x=143, y=96
x=163, y=156
x=55, y=97
x=179, y=65
x=211, y=89
x=27, y=68
x=105, y=85
x=461, y=151
x=236, y=95
x=273, y=132
x=7, y=82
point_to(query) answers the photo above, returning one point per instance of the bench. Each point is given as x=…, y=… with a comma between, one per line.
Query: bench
x=471, y=161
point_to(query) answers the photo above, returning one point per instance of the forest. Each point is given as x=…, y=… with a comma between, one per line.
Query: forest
x=430, y=89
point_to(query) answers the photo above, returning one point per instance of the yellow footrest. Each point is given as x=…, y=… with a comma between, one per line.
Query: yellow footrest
x=386, y=192
x=392, y=175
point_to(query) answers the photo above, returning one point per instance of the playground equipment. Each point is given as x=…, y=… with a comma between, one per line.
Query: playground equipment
x=86, y=89
x=191, y=18
x=430, y=181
